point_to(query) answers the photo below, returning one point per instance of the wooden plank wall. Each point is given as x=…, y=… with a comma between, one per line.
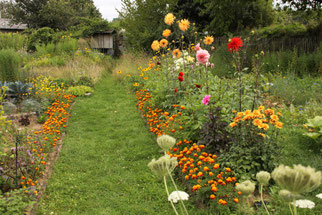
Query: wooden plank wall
x=102, y=41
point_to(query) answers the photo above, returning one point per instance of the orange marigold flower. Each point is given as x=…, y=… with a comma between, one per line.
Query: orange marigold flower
x=155, y=45
x=163, y=43
x=261, y=108
x=212, y=196
x=166, y=33
x=216, y=166
x=236, y=200
x=279, y=125
x=208, y=40
x=257, y=122
x=184, y=24
x=261, y=134
x=169, y=19
x=233, y=124
x=228, y=169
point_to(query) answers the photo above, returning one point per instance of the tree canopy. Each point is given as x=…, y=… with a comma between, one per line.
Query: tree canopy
x=56, y=14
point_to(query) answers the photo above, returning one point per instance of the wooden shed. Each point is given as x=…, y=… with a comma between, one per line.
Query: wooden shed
x=104, y=42
x=7, y=27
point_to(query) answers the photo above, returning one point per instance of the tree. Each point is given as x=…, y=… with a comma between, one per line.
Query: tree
x=228, y=16
x=57, y=14
x=303, y=4
x=142, y=19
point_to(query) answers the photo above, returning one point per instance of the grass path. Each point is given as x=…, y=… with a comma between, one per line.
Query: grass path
x=102, y=168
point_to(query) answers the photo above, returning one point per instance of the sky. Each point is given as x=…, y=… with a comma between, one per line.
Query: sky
x=107, y=8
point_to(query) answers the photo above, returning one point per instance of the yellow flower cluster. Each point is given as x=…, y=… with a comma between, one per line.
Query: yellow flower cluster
x=184, y=24
x=260, y=118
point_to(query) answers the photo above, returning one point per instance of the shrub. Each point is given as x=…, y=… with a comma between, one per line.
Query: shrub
x=80, y=90
x=9, y=65
x=12, y=41
x=85, y=81
x=40, y=36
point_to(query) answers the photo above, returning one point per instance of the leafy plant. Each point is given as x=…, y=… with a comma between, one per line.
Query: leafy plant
x=85, y=81
x=9, y=65
x=315, y=128
x=80, y=90
x=18, y=89
x=15, y=202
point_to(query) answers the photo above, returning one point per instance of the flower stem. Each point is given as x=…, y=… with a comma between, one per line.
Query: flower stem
x=263, y=199
x=294, y=205
x=175, y=186
x=166, y=188
x=289, y=205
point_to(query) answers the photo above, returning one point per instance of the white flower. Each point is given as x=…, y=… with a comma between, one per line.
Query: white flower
x=304, y=203
x=319, y=196
x=176, y=195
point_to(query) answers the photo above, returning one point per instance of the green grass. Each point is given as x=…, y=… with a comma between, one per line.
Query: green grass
x=102, y=168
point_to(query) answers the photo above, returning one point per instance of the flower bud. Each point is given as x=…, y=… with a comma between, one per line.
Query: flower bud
x=163, y=166
x=246, y=187
x=166, y=142
x=298, y=179
x=263, y=177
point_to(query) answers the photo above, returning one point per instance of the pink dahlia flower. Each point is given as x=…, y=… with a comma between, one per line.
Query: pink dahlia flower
x=198, y=47
x=203, y=56
x=206, y=100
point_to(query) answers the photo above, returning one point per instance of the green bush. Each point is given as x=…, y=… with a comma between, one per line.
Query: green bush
x=39, y=36
x=9, y=65
x=280, y=30
x=12, y=41
x=80, y=90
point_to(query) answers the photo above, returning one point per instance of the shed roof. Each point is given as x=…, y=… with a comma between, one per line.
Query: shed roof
x=5, y=24
x=106, y=32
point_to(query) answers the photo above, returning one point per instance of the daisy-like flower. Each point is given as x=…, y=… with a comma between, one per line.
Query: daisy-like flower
x=304, y=203
x=235, y=44
x=184, y=24
x=155, y=45
x=169, y=19
x=208, y=40
x=176, y=53
x=163, y=43
x=175, y=196
x=166, y=33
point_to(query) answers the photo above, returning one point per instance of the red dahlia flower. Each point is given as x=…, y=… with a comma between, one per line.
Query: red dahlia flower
x=235, y=44
x=180, y=78
x=198, y=85
x=180, y=74
x=175, y=90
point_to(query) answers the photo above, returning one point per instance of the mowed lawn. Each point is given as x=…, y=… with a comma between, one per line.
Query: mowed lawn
x=102, y=168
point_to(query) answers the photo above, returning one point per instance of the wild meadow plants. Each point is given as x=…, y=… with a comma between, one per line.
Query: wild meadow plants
x=225, y=129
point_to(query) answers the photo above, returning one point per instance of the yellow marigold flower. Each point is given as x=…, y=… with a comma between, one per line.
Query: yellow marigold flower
x=119, y=72
x=163, y=43
x=274, y=117
x=184, y=24
x=257, y=122
x=279, y=125
x=136, y=84
x=233, y=124
x=155, y=45
x=247, y=112
x=256, y=112
x=169, y=18
x=176, y=53
x=208, y=40
x=261, y=134
x=145, y=78
x=166, y=33
x=261, y=108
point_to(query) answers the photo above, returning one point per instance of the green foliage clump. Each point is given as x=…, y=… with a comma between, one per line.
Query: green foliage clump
x=40, y=36
x=14, y=41
x=9, y=65
x=15, y=202
x=80, y=90
x=280, y=31
x=85, y=81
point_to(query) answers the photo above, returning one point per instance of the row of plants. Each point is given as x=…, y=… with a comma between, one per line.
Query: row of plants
x=224, y=131
x=25, y=153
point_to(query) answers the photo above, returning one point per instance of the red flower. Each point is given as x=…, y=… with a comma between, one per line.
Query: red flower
x=180, y=73
x=180, y=78
x=175, y=90
x=198, y=85
x=235, y=44
x=158, y=63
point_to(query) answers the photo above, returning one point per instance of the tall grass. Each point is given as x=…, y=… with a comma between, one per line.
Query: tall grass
x=14, y=41
x=64, y=47
x=75, y=68
x=9, y=65
x=129, y=62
